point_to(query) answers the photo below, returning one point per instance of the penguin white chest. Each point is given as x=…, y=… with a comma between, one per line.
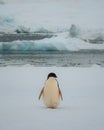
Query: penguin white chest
x=51, y=93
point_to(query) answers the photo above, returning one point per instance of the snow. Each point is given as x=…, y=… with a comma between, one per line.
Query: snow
x=81, y=109
x=82, y=20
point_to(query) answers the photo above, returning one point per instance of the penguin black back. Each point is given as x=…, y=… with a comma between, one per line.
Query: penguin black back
x=51, y=75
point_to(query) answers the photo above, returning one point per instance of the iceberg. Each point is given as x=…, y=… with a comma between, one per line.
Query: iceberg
x=49, y=44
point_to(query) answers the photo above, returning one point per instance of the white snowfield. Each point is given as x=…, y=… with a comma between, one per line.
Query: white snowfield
x=82, y=107
x=76, y=23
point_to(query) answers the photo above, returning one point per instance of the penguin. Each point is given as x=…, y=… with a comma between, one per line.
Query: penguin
x=51, y=92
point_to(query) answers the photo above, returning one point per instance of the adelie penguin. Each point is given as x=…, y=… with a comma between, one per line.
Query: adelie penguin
x=51, y=92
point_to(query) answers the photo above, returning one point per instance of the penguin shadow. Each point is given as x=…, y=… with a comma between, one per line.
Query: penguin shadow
x=60, y=108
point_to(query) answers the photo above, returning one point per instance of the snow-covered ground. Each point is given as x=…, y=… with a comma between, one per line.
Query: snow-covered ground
x=77, y=24
x=81, y=109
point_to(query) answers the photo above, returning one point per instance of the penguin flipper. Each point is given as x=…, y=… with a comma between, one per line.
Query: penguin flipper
x=60, y=93
x=41, y=93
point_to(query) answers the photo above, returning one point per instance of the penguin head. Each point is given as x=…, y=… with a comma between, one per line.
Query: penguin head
x=51, y=75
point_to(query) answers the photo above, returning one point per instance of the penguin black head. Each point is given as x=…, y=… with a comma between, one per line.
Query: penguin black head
x=51, y=75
